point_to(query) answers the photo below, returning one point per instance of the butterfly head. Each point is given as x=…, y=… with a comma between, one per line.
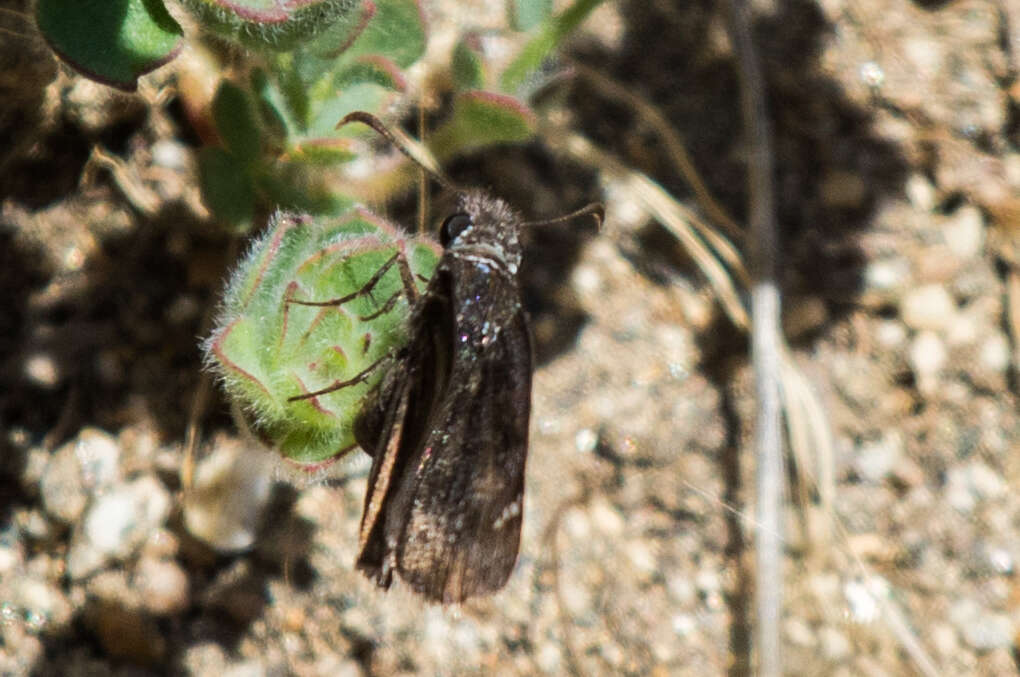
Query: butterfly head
x=486, y=224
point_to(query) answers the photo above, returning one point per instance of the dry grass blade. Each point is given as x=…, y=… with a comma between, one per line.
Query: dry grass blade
x=1013, y=315
x=809, y=434
x=140, y=196
x=678, y=219
x=675, y=147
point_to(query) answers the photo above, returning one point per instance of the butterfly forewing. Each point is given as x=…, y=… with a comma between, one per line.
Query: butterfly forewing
x=448, y=428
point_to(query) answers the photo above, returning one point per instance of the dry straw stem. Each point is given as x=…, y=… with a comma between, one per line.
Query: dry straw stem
x=766, y=341
x=806, y=421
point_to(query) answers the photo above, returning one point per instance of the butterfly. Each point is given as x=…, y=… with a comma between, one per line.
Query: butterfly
x=447, y=426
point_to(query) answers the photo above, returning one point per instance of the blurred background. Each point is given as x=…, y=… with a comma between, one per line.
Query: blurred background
x=141, y=532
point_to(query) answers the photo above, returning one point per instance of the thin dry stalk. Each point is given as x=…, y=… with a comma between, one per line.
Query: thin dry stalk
x=766, y=342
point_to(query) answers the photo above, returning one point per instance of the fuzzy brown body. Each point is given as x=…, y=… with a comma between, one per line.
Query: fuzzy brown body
x=447, y=427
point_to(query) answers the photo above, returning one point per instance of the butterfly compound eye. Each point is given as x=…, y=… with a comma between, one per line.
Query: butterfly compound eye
x=453, y=226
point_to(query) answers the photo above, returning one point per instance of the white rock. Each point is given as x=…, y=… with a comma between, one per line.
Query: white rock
x=874, y=460
x=116, y=524
x=965, y=232
x=981, y=628
x=42, y=370
x=834, y=644
x=927, y=357
x=887, y=274
x=994, y=353
x=162, y=585
x=967, y=485
x=891, y=334
x=928, y=307
x=231, y=490
x=42, y=604
x=85, y=465
x=920, y=192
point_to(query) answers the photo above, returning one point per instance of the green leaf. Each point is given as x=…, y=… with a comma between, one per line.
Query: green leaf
x=482, y=119
x=291, y=184
x=467, y=67
x=272, y=106
x=549, y=37
x=526, y=14
x=375, y=69
x=236, y=123
x=111, y=41
x=396, y=31
x=269, y=23
x=227, y=187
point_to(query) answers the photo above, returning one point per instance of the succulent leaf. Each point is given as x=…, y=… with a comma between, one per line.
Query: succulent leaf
x=113, y=42
x=267, y=348
x=276, y=24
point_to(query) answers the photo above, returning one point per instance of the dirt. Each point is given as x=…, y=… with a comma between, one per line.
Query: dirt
x=897, y=155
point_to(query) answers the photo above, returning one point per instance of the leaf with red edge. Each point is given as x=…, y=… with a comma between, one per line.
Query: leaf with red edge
x=110, y=41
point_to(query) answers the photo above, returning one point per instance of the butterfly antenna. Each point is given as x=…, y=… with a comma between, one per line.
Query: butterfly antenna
x=595, y=209
x=409, y=148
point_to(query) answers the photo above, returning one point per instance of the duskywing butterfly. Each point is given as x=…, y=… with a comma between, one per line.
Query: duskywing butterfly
x=447, y=427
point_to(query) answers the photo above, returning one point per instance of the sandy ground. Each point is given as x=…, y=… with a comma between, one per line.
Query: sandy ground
x=898, y=187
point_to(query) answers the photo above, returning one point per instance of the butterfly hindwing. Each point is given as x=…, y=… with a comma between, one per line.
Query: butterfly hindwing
x=449, y=432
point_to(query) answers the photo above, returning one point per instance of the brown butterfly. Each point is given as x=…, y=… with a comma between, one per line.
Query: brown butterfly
x=447, y=427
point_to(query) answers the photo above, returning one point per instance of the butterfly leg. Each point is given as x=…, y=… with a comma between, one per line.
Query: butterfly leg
x=406, y=278
x=409, y=290
x=360, y=377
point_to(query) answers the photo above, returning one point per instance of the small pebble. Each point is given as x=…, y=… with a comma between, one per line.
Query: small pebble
x=834, y=644
x=231, y=490
x=874, y=460
x=927, y=357
x=606, y=518
x=928, y=307
x=995, y=353
x=981, y=628
x=799, y=633
x=163, y=586
x=11, y=557
x=549, y=658
x=249, y=668
x=684, y=624
x=116, y=524
x=890, y=334
x=861, y=596
x=1000, y=560
x=944, y=638
x=42, y=370
x=887, y=275
x=964, y=233
x=586, y=440
x=88, y=463
x=127, y=634
x=871, y=74
x=967, y=485
x=682, y=590
x=338, y=667
x=641, y=557
x=43, y=604
x=920, y=192
x=170, y=154
x=577, y=596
